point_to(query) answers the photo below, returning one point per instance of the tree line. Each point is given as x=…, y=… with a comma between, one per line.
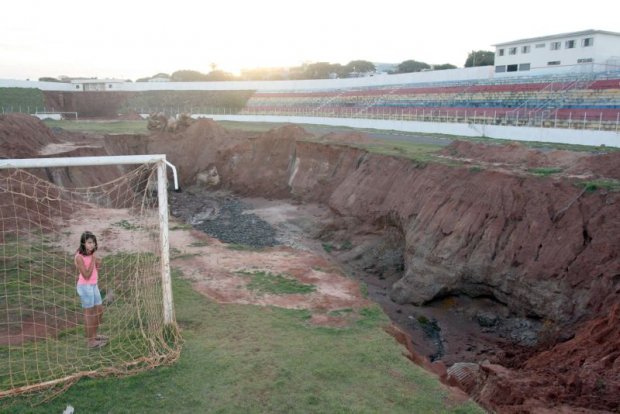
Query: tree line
x=318, y=70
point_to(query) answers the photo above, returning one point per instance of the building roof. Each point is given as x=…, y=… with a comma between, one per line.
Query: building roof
x=557, y=36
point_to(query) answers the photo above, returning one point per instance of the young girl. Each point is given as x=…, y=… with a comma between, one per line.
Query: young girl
x=87, y=264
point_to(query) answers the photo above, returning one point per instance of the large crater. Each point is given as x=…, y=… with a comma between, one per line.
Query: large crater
x=497, y=263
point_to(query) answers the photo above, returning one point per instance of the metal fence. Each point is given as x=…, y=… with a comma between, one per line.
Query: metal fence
x=590, y=119
x=601, y=120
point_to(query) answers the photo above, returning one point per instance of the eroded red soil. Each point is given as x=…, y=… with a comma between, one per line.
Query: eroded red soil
x=496, y=250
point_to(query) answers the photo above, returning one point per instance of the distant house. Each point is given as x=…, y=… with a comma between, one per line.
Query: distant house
x=596, y=47
x=385, y=68
x=99, y=85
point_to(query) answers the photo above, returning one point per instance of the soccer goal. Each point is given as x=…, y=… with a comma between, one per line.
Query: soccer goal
x=45, y=206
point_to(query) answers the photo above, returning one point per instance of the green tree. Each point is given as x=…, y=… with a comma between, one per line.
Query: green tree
x=188, y=76
x=296, y=72
x=263, y=74
x=359, y=66
x=409, y=66
x=444, y=66
x=318, y=70
x=219, y=75
x=480, y=58
x=158, y=75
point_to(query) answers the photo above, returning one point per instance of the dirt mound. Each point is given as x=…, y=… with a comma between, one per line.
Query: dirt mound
x=161, y=122
x=516, y=155
x=23, y=136
x=34, y=192
x=288, y=131
x=588, y=365
x=347, y=138
x=581, y=372
x=599, y=165
x=261, y=165
x=194, y=150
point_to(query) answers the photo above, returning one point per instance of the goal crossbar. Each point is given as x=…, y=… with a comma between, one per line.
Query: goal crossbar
x=162, y=199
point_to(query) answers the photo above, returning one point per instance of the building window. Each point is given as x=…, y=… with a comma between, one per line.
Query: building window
x=570, y=44
x=512, y=51
x=553, y=63
x=556, y=45
x=524, y=66
x=500, y=69
x=500, y=52
x=512, y=68
x=77, y=86
x=588, y=41
x=588, y=60
x=109, y=86
x=540, y=45
x=525, y=49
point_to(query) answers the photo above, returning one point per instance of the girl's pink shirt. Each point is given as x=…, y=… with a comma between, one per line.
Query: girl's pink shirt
x=93, y=276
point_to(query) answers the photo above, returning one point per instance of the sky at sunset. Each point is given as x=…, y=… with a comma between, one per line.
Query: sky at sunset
x=134, y=39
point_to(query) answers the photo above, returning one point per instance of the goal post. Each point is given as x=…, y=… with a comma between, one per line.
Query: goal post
x=45, y=206
x=162, y=194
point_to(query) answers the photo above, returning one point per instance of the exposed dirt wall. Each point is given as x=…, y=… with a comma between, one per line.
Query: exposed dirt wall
x=541, y=245
x=22, y=136
x=493, y=234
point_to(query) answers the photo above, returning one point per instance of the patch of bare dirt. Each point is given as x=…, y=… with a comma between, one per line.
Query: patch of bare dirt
x=217, y=269
x=513, y=274
x=37, y=326
x=346, y=138
x=220, y=271
x=23, y=136
x=518, y=157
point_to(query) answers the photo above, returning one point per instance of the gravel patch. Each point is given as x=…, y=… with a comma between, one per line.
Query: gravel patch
x=222, y=216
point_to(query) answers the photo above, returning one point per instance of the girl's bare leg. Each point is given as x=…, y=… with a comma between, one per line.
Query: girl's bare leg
x=99, y=314
x=90, y=325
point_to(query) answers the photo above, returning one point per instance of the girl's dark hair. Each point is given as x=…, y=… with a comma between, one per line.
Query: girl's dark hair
x=85, y=236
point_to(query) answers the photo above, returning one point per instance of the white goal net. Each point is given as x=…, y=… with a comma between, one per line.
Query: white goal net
x=43, y=348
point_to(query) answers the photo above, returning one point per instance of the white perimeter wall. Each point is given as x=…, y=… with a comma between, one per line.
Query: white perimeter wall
x=317, y=84
x=556, y=135
x=569, y=136
x=44, y=86
x=482, y=72
x=449, y=75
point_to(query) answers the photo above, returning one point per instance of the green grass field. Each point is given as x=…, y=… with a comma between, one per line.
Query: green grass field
x=37, y=283
x=101, y=127
x=251, y=359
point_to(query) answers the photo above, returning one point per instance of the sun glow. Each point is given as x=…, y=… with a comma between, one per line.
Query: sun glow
x=132, y=40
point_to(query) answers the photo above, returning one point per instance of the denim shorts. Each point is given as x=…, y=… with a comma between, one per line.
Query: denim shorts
x=89, y=295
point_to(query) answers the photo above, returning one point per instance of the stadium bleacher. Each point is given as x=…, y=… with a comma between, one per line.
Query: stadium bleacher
x=569, y=100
